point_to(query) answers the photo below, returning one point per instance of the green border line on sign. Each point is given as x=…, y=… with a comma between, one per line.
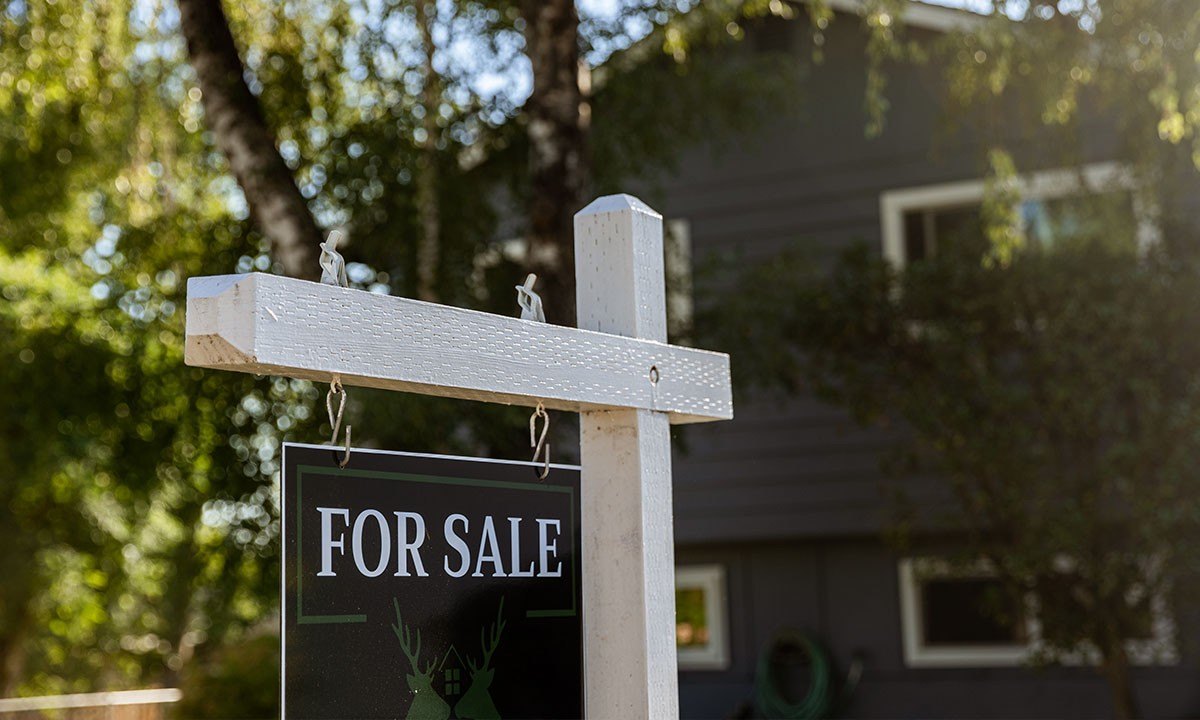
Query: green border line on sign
x=302, y=619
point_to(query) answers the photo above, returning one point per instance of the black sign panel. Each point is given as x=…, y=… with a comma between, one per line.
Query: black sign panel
x=429, y=587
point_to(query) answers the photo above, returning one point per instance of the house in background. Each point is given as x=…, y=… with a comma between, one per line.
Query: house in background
x=780, y=515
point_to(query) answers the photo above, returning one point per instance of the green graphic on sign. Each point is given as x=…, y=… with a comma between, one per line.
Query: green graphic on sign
x=476, y=703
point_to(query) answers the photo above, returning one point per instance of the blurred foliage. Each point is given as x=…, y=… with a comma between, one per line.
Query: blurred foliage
x=1047, y=64
x=238, y=681
x=139, y=509
x=1050, y=384
x=139, y=514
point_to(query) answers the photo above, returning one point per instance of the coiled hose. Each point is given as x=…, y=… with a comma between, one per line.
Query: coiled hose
x=821, y=699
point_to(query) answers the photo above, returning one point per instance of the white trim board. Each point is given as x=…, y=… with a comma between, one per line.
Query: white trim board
x=1042, y=185
x=710, y=579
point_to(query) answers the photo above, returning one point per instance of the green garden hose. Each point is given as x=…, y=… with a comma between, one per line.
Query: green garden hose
x=821, y=699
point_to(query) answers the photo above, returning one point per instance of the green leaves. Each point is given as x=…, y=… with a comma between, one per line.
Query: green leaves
x=1054, y=393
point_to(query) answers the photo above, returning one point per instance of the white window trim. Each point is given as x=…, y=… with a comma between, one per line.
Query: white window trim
x=1044, y=185
x=710, y=578
x=677, y=265
x=1159, y=650
x=913, y=627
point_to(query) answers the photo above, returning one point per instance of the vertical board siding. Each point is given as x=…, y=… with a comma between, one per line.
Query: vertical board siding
x=845, y=592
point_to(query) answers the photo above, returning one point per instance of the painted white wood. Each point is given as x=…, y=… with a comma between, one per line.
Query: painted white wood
x=272, y=325
x=616, y=370
x=628, y=543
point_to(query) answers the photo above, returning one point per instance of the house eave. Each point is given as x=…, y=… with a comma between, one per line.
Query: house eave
x=918, y=14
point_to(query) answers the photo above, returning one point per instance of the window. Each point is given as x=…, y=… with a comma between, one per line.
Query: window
x=1055, y=205
x=701, y=637
x=956, y=617
x=453, y=681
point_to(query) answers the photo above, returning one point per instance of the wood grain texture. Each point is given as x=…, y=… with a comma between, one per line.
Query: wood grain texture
x=628, y=543
x=273, y=325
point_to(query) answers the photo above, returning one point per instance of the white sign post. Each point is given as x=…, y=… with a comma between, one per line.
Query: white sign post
x=615, y=369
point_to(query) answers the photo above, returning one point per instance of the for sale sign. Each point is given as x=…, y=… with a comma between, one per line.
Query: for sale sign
x=421, y=586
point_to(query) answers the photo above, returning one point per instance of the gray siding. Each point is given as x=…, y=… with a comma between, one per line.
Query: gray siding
x=847, y=594
x=789, y=496
x=792, y=467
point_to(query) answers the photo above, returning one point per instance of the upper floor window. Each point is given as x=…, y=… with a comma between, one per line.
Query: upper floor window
x=1054, y=206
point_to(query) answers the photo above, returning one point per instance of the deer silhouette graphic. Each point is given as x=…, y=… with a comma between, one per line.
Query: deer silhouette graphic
x=476, y=702
x=427, y=704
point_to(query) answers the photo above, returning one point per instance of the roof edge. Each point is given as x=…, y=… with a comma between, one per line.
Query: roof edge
x=919, y=14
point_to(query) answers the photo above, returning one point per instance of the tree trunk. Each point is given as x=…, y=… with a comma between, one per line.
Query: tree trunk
x=233, y=114
x=12, y=642
x=557, y=132
x=1115, y=667
x=427, y=178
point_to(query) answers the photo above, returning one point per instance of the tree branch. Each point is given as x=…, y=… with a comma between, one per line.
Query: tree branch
x=233, y=114
x=557, y=162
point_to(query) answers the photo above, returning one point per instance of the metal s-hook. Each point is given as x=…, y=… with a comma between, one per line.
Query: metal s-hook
x=335, y=421
x=531, y=309
x=538, y=442
x=333, y=272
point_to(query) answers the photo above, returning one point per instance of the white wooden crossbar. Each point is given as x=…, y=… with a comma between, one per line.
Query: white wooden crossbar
x=273, y=325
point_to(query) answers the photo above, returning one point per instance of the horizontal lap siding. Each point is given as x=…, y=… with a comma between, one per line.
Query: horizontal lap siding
x=789, y=497
x=808, y=179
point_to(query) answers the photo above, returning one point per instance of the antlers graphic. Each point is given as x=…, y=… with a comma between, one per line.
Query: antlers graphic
x=489, y=645
x=406, y=643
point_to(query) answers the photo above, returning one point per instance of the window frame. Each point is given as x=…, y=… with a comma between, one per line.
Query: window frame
x=711, y=580
x=1042, y=185
x=1161, y=649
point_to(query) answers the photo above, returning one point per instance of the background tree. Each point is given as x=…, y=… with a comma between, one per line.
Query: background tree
x=1056, y=67
x=248, y=144
x=1049, y=385
x=146, y=492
